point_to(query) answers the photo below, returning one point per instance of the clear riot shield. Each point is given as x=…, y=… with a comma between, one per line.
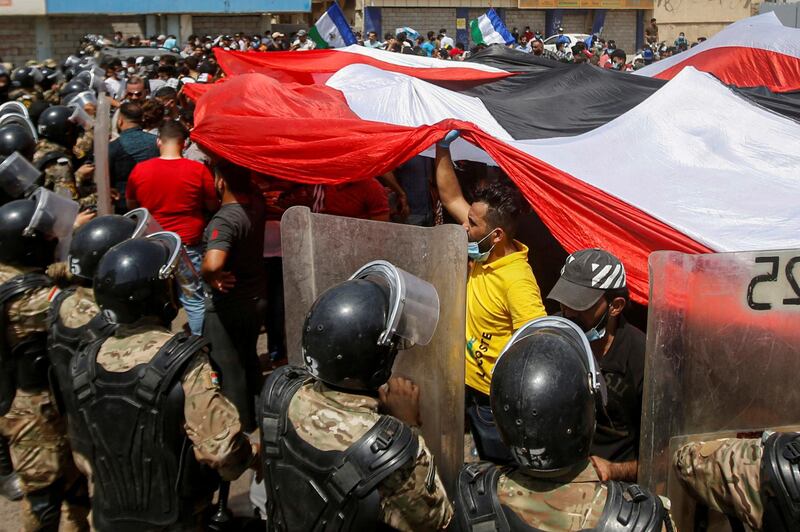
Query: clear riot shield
x=320, y=251
x=102, y=130
x=723, y=353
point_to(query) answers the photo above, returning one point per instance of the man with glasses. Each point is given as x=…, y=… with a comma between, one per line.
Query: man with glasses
x=133, y=146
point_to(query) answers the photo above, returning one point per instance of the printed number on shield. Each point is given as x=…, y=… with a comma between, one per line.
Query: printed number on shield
x=774, y=274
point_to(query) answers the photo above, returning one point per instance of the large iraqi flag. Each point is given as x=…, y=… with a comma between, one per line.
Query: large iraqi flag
x=756, y=51
x=627, y=163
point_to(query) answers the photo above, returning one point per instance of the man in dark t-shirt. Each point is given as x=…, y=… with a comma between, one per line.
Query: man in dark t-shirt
x=593, y=292
x=232, y=268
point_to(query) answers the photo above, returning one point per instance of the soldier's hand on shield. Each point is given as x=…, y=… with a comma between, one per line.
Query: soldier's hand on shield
x=603, y=468
x=83, y=217
x=400, y=398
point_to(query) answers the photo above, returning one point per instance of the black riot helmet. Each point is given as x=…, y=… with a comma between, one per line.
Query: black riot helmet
x=92, y=240
x=544, y=390
x=134, y=279
x=72, y=88
x=49, y=77
x=54, y=125
x=18, y=244
x=354, y=329
x=15, y=137
x=27, y=77
x=340, y=336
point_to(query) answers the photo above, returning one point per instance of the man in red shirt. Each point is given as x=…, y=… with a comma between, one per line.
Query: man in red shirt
x=366, y=199
x=178, y=193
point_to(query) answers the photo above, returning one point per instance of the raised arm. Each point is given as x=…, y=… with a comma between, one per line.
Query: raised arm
x=447, y=183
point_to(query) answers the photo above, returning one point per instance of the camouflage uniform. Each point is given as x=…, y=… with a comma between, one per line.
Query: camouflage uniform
x=210, y=420
x=79, y=308
x=413, y=497
x=725, y=476
x=25, y=96
x=85, y=143
x=52, y=95
x=57, y=175
x=574, y=502
x=36, y=432
x=85, y=188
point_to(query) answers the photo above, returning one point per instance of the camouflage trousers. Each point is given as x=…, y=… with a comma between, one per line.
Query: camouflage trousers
x=42, y=458
x=724, y=475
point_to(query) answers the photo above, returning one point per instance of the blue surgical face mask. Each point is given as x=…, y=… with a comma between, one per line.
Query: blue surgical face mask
x=474, y=249
x=599, y=330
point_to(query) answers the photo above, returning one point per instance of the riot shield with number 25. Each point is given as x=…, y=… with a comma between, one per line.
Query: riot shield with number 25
x=723, y=355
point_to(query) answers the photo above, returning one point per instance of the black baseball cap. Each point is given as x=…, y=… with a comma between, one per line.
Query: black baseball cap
x=586, y=276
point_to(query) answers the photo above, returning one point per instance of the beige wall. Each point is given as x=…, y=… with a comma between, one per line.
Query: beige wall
x=22, y=7
x=698, y=18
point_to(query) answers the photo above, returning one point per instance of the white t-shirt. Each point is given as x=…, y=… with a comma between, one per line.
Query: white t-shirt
x=446, y=41
x=308, y=45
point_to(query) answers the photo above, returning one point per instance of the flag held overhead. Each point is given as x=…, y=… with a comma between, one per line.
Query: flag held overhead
x=332, y=29
x=489, y=29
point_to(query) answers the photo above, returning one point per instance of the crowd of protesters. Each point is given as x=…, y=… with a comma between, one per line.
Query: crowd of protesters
x=228, y=218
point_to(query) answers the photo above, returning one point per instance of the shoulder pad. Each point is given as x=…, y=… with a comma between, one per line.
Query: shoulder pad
x=164, y=368
x=50, y=157
x=631, y=508
x=56, y=297
x=22, y=283
x=780, y=481
x=385, y=448
x=278, y=391
x=477, y=505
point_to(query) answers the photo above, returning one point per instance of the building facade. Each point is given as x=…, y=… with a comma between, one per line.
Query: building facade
x=52, y=28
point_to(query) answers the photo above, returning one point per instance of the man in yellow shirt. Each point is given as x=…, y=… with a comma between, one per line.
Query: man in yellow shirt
x=502, y=293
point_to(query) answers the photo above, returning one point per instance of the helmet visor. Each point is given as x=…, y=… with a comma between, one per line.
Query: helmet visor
x=413, y=304
x=14, y=108
x=17, y=175
x=179, y=266
x=145, y=223
x=81, y=117
x=54, y=216
x=13, y=118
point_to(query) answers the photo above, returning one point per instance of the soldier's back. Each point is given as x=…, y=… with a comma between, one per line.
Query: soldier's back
x=27, y=313
x=132, y=346
x=519, y=499
x=412, y=497
x=331, y=420
x=554, y=504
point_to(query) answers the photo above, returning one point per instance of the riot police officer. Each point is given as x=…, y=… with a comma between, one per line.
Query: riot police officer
x=331, y=460
x=53, y=156
x=162, y=433
x=544, y=388
x=29, y=229
x=16, y=131
x=25, y=85
x=752, y=480
x=74, y=316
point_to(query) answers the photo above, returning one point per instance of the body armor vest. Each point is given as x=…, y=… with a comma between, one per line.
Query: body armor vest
x=144, y=470
x=780, y=482
x=62, y=346
x=628, y=508
x=313, y=490
x=25, y=365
